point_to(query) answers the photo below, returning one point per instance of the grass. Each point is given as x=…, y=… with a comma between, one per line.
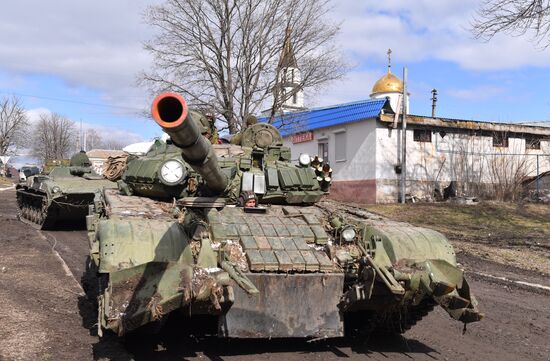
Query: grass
x=507, y=233
x=487, y=222
x=5, y=182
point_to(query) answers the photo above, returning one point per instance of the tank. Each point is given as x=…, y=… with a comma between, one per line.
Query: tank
x=64, y=194
x=238, y=237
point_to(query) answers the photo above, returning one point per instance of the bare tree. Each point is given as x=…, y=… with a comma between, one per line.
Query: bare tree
x=93, y=139
x=113, y=144
x=515, y=17
x=55, y=136
x=223, y=54
x=13, y=125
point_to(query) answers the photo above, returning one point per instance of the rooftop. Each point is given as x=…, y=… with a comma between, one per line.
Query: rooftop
x=103, y=153
x=323, y=117
x=473, y=125
x=316, y=118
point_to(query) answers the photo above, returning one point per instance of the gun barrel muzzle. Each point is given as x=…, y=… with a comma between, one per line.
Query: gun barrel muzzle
x=170, y=111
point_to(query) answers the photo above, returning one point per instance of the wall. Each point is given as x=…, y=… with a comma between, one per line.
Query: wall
x=368, y=172
x=97, y=164
x=354, y=176
x=451, y=155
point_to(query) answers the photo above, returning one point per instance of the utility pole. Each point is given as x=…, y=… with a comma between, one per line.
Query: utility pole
x=404, y=137
x=538, y=178
x=434, y=101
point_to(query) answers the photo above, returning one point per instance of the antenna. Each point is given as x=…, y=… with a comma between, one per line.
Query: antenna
x=389, y=60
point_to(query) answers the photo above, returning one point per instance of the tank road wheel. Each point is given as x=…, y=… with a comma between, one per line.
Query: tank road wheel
x=401, y=320
x=43, y=220
x=358, y=326
x=25, y=212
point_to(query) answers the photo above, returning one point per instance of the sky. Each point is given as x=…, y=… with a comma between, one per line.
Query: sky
x=81, y=59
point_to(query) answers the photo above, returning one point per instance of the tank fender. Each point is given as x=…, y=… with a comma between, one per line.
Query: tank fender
x=146, y=293
x=129, y=243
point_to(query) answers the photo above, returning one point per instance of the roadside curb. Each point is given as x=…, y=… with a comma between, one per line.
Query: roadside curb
x=519, y=284
x=64, y=265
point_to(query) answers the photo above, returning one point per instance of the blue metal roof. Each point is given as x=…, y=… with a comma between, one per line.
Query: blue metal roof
x=316, y=118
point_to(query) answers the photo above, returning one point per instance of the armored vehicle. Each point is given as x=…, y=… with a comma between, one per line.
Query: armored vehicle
x=63, y=194
x=237, y=234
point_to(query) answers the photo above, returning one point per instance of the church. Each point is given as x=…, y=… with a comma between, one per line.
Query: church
x=363, y=143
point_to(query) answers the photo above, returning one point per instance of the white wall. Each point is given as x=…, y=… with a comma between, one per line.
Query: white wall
x=360, y=160
x=454, y=156
x=97, y=165
x=395, y=100
x=372, y=153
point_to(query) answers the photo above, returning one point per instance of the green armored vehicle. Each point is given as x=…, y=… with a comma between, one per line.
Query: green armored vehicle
x=237, y=234
x=65, y=193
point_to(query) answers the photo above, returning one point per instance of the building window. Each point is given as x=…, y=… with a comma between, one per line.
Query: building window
x=422, y=135
x=500, y=140
x=340, y=146
x=532, y=143
x=323, y=150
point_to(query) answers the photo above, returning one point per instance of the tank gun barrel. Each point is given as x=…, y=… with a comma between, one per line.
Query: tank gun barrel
x=170, y=112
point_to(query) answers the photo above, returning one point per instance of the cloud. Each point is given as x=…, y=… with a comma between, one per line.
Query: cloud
x=112, y=133
x=355, y=86
x=430, y=30
x=98, y=46
x=105, y=132
x=34, y=114
x=477, y=93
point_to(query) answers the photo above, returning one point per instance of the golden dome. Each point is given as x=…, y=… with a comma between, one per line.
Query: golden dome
x=389, y=83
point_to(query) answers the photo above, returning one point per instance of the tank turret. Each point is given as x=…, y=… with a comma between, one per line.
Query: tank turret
x=171, y=113
x=80, y=159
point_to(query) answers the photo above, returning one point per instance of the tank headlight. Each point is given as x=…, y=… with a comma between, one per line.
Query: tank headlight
x=348, y=234
x=56, y=189
x=304, y=159
x=171, y=172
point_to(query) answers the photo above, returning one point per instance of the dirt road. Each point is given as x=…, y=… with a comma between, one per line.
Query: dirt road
x=44, y=315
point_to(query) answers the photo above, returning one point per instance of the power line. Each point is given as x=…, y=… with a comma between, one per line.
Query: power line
x=71, y=101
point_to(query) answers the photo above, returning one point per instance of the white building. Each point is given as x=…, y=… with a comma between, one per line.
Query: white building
x=98, y=157
x=362, y=143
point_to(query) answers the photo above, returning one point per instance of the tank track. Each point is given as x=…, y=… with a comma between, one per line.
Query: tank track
x=33, y=209
x=330, y=206
x=360, y=326
x=401, y=320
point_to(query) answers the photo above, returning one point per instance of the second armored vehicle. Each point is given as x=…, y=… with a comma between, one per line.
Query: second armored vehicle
x=64, y=194
x=237, y=234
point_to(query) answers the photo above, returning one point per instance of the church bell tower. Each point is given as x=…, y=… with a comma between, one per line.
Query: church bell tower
x=288, y=90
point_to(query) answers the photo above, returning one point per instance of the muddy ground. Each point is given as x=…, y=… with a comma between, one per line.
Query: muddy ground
x=44, y=314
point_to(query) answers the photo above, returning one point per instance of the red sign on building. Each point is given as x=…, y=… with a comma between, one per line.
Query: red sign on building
x=302, y=137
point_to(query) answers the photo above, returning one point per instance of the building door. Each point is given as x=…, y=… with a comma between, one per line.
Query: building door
x=323, y=150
